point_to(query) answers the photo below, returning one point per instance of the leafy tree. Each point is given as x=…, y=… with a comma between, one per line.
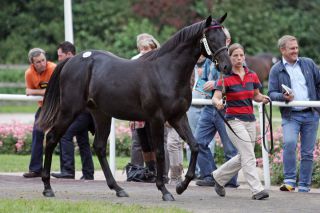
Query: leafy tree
x=114, y=25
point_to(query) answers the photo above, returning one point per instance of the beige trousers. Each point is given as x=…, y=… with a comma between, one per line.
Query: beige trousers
x=245, y=159
x=175, y=147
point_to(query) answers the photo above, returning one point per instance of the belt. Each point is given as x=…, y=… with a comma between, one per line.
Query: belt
x=309, y=109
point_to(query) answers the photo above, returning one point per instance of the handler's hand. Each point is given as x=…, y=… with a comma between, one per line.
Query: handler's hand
x=265, y=99
x=220, y=105
x=208, y=86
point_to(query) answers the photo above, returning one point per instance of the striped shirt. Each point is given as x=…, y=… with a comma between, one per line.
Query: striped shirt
x=239, y=94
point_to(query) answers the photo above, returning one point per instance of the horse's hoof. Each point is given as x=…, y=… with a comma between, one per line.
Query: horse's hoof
x=180, y=188
x=168, y=197
x=122, y=193
x=48, y=193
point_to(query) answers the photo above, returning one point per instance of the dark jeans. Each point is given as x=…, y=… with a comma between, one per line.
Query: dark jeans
x=208, y=125
x=36, y=147
x=78, y=128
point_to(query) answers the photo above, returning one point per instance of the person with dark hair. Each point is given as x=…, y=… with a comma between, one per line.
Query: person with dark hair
x=65, y=50
x=240, y=88
x=295, y=78
x=79, y=129
x=36, y=78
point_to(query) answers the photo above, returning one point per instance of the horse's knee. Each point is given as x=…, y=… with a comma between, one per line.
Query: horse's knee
x=99, y=149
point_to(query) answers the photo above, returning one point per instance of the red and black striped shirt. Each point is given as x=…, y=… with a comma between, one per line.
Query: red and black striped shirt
x=239, y=94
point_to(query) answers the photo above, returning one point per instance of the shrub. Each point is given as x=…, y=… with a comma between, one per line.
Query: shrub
x=13, y=138
x=16, y=138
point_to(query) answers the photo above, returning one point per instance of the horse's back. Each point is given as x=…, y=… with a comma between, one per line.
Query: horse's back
x=260, y=64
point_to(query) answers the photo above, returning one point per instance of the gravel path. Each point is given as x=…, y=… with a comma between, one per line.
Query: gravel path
x=194, y=199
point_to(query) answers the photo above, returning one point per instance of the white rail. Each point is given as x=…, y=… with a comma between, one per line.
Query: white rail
x=266, y=171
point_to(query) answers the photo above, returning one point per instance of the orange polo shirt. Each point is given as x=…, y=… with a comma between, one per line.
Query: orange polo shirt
x=33, y=78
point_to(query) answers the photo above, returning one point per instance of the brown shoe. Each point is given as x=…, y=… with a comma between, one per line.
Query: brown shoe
x=32, y=174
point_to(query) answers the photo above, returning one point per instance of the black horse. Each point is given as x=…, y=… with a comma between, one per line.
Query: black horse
x=261, y=64
x=154, y=88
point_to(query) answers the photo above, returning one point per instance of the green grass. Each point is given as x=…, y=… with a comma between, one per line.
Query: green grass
x=26, y=108
x=20, y=163
x=59, y=206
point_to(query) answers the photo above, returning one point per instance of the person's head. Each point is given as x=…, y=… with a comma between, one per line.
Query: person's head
x=228, y=36
x=65, y=50
x=236, y=53
x=146, y=45
x=143, y=39
x=37, y=57
x=289, y=48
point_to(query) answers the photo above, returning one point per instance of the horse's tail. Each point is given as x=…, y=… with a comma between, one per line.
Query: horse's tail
x=51, y=100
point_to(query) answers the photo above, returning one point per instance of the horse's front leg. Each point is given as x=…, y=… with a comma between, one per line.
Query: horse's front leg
x=51, y=143
x=184, y=131
x=157, y=139
x=102, y=127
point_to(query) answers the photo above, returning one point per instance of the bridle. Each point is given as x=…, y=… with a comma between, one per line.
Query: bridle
x=207, y=48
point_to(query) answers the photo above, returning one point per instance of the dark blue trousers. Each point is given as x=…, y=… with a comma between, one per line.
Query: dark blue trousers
x=36, y=147
x=78, y=128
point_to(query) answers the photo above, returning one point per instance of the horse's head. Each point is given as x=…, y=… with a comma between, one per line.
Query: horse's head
x=214, y=43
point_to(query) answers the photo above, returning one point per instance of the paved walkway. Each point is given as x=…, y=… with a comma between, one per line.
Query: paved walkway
x=121, y=176
x=194, y=199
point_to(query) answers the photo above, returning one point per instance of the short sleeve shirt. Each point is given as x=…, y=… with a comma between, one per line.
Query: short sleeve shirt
x=33, y=79
x=239, y=94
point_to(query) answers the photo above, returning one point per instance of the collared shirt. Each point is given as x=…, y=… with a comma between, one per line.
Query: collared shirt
x=239, y=94
x=298, y=83
x=33, y=79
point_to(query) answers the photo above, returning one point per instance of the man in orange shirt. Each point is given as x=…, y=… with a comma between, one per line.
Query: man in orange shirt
x=36, y=78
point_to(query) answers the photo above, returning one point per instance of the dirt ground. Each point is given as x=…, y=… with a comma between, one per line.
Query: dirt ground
x=194, y=199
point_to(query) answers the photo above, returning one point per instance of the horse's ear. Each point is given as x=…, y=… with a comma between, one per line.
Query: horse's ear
x=208, y=21
x=220, y=20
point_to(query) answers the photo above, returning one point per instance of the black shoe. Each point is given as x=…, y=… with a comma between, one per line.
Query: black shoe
x=219, y=189
x=86, y=178
x=205, y=182
x=32, y=174
x=261, y=195
x=63, y=175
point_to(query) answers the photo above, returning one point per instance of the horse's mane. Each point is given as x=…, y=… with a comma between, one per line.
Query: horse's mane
x=181, y=36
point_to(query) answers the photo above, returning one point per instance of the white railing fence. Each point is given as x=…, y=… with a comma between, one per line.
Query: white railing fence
x=112, y=147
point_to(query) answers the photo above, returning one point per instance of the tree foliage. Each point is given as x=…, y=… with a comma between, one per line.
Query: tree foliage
x=113, y=25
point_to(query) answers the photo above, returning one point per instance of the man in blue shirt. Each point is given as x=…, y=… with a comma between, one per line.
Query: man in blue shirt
x=303, y=77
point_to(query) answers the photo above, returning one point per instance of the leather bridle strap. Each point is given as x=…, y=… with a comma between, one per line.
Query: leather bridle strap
x=206, y=45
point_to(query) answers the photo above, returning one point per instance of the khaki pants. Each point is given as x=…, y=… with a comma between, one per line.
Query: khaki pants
x=245, y=159
x=175, y=147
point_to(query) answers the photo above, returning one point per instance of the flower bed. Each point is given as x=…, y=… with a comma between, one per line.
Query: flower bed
x=15, y=138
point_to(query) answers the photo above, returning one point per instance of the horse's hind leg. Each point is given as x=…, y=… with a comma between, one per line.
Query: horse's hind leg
x=156, y=129
x=184, y=131
x=102, y=127
x=52, y=139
